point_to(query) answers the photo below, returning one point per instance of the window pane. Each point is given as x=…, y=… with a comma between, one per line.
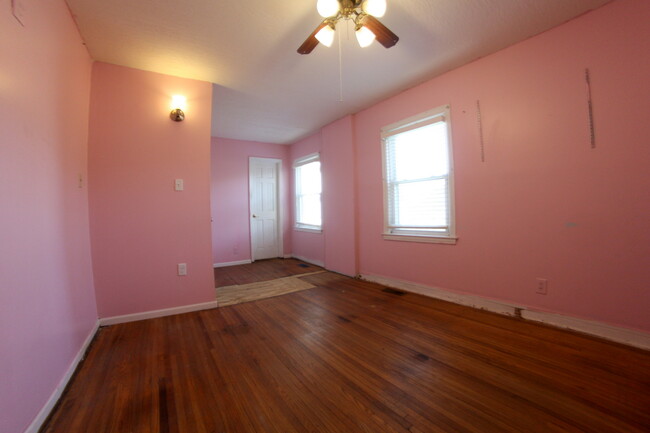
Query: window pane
x=420, y=204
x=419, y=153
x=310, y=207
x=308, y=194
x=310, y=179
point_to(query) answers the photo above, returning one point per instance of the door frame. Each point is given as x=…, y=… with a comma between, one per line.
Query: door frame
x=278, y=203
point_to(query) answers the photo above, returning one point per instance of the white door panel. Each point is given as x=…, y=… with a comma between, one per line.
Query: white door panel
x=264, y=221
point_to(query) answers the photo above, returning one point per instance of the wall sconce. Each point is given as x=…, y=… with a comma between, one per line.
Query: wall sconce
x=179, y=103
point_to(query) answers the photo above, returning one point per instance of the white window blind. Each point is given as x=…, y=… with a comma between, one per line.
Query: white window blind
x=417, y=166
x=308, y=193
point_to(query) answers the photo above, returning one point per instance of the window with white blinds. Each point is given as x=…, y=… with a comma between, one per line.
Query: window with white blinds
x=418, y=176
x=307, y=178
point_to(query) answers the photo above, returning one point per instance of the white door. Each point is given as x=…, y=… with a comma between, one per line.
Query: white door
x=266, y=239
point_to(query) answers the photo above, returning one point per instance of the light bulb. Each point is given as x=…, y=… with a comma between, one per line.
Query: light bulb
x=327, y=8
x=178, y=101
x=376, y=8
x=326, y=36
x=364, y=36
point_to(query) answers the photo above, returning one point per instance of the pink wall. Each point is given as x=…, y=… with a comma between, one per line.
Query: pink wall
x=140, y=227
x=339, y=196
x=231, y=240
x=544, y=204
x=47, y=301
x=306, y=245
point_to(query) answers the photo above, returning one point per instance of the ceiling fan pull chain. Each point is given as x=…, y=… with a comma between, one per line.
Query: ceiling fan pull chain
x=347, y=29
x=480, y=129
x=340, y=71
x=590, y=108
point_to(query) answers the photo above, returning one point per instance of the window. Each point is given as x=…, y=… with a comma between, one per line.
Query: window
x=308, y=191
x=418, y=178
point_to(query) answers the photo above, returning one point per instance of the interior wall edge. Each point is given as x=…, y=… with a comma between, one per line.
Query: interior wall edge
x=44, y=413
x=308, y=260
x=235, y=263
x=126, y=318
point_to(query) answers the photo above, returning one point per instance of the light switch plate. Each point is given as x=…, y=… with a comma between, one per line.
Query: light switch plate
x=178, y=185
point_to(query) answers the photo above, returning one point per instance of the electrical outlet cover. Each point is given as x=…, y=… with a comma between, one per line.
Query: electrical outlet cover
x=542, y=286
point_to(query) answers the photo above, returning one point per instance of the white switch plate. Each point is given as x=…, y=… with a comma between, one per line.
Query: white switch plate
x=182, y=269
x=178, y=185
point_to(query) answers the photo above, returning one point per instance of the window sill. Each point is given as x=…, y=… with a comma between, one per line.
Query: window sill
x=307, y=230
x=419, y=238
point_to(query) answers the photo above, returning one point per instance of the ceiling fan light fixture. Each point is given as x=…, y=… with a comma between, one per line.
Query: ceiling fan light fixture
x=327, y=8
x=362, y=12
x=326, y=35
x=365, y=37
x=376, y=8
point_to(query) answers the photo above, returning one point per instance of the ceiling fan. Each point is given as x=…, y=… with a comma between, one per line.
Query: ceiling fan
x=363, y=13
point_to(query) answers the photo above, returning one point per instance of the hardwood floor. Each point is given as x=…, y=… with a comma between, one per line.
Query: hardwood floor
x=261, y=279
x=262, y=270
x=346, y=356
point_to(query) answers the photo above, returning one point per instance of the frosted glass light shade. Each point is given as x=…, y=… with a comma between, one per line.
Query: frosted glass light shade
x=326, y=36
x=178, y=101
x=376, y=8
x=364, y=36
x=327, y=8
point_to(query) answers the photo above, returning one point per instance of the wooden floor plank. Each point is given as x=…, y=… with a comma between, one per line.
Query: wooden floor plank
x=539, y=364
x=346, y=356
x=493, y=365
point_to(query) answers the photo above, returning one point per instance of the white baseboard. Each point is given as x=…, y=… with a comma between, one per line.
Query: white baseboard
x=37, y=423
x=630, y=337
x=310, y=261
x=445, y=295
x=240, y=262
x=157, y=313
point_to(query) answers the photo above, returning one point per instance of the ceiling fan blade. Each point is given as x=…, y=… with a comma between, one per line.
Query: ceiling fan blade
x=311, y=42
x=383, y=35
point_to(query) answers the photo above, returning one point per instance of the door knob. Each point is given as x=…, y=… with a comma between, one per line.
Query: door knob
x=254, y=216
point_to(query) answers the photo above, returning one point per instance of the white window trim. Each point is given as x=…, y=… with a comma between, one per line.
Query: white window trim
x=441, y=113
x=307, y=228
x=428, y=239
x=306, y=159
x=301, y=227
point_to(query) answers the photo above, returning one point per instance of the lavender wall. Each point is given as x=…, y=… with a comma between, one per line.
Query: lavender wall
x=47, y=302
x=231, y=240
x=141, y=228
x=544, y=203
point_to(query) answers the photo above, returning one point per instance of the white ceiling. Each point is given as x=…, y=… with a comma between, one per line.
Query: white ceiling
x=264, y=90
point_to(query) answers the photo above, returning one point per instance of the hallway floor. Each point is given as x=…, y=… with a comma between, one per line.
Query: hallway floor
x=261, y=279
